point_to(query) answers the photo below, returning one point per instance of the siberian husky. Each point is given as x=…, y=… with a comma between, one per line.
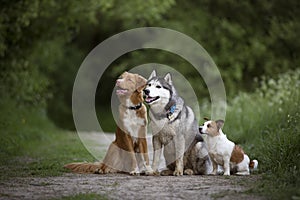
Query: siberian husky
x=175, y=129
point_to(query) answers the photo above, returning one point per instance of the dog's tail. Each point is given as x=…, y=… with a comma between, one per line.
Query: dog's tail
x=84, y=167
x=253, y=164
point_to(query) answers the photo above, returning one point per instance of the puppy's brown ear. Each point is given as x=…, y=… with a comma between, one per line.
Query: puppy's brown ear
x=206, y=118
x=140, y=82
x=220, y=123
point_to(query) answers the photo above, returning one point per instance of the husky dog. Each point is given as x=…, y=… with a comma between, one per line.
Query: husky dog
x=175, y=128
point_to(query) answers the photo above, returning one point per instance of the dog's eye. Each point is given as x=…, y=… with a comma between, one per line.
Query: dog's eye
x=149, y=84
x=158, y=86
x=208, y=125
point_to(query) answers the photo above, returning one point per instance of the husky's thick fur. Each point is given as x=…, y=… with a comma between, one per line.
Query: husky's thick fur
x=175, y=129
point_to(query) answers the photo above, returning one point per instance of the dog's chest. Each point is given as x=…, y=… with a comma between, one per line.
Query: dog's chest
x=133, y=123
x=219, y=148
x=163, y=131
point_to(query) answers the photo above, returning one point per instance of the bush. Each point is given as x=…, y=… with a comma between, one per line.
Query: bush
x=267, y=123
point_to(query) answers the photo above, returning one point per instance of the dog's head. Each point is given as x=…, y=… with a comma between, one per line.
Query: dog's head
x=129, y=83
x=158, y=88
x=211, y=128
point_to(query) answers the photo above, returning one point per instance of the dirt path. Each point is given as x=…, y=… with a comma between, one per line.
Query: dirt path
x=122, y=186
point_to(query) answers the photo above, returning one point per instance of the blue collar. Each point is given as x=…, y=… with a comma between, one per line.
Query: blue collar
x=171, y=111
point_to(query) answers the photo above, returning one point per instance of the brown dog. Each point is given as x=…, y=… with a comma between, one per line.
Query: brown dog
x=129, y=151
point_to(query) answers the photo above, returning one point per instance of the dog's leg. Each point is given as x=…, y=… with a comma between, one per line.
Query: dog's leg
x=157, y=148
x=179, y=167
x=131, y=153
x=143, y=158
x=215, y=168
x=226, y=167
x=179, y=149
x=134, y=165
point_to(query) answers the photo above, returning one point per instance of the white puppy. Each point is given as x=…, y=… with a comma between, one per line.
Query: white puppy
x=224, y=152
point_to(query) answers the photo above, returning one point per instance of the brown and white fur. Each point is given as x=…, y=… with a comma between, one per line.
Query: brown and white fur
x=224, y=152
x=129, y=151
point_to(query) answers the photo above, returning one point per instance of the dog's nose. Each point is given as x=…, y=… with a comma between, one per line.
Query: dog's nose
x=146, y=91
x=200, y=129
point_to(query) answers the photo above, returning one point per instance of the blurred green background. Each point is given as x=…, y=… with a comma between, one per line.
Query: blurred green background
x=255, y=45
x=42, y=44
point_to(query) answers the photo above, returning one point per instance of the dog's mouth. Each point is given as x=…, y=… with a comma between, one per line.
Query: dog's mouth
x=149, y=99
x=201, y=130
x=121, y=91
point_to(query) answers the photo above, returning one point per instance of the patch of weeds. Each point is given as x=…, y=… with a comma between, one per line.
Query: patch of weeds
x=91, y=196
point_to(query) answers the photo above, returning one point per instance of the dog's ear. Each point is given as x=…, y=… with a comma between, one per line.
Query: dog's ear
x=153, y=74
x=220, y=123
x=140, y=82
x=168, y=78
x=206, y=118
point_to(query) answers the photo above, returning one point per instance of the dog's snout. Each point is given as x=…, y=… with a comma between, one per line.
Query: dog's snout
x=200, y=129
x=146, y=91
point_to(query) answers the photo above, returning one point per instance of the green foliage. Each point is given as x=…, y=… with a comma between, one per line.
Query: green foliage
x=270, y=104
x=133, y=14
x=24, y=25
x=266, y=122
x=42, y=43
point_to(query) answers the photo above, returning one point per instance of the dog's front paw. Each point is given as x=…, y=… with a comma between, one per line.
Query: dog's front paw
x=226, y=174
x=135, y=172
x=149, y=171
x=178, y=172
x=188, y=172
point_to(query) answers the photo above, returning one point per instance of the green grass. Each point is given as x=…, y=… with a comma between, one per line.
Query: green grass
x=85, y=196
x=31, y=145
